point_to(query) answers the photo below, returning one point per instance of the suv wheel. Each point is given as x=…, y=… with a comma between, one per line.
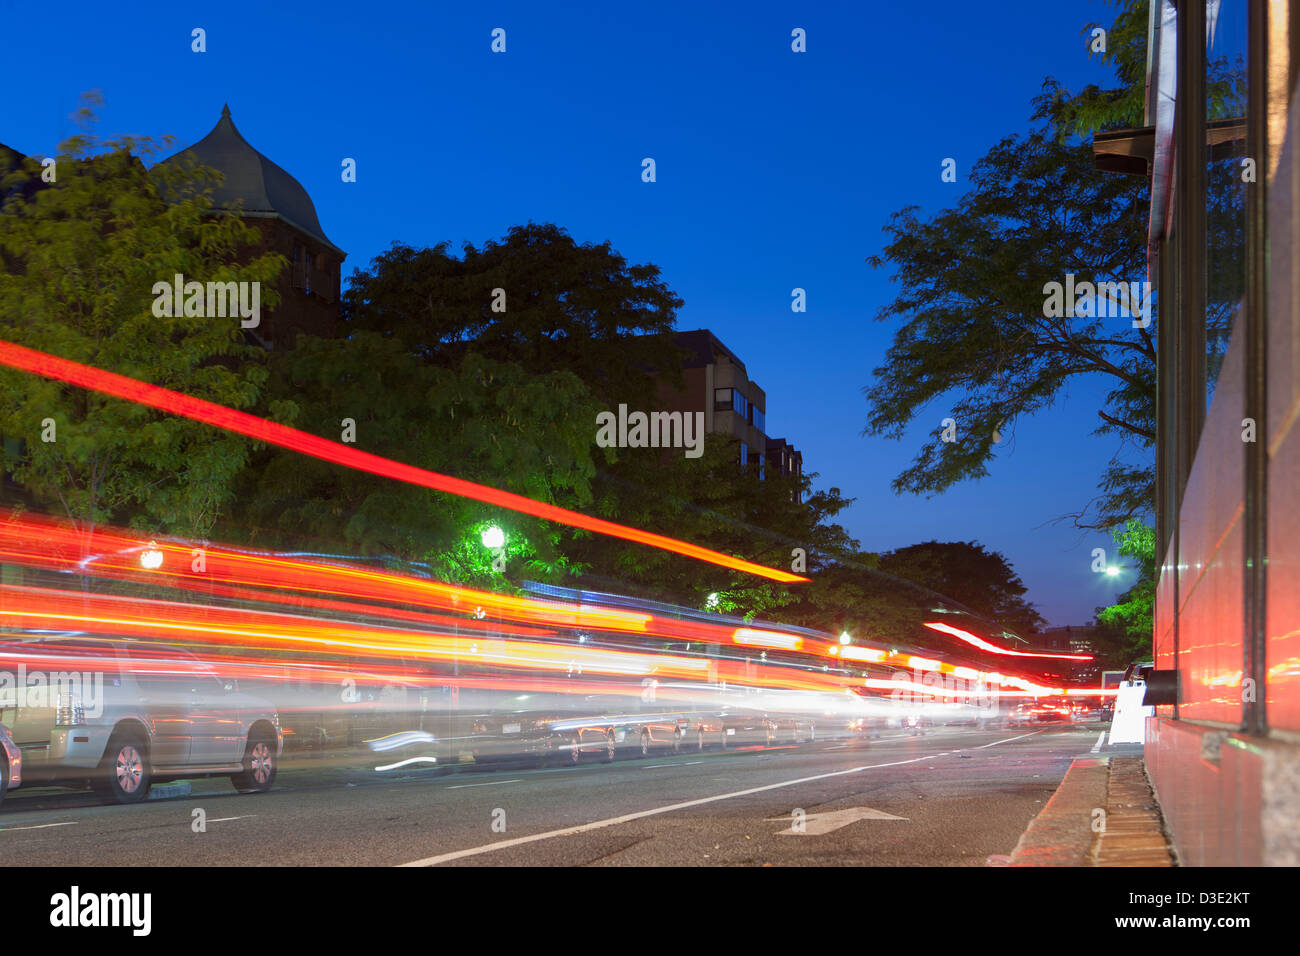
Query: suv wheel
x=575, y=750
x=258, y=774
x=124, y=775
x=609, y=747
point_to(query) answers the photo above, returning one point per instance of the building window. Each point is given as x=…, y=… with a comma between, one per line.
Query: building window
x=744, y=454
x=722, y=399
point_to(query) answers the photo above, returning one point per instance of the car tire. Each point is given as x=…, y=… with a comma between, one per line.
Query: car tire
x=124, y=775
x=260, y=764
x=701, y=740
x=610, y=747
x=575, y=751
x=677, y=741
x=645, y=743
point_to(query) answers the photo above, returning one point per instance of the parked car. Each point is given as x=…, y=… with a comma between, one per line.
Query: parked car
x=129, y=714
x=11, y=775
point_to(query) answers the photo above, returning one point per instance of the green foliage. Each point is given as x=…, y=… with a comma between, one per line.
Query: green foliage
x=964, y=571
x=1127, y=626
x=970, y=323
x=971, y=328
x=579, y=307
x=1097, y=108
x=482, y=420
x=78, y=260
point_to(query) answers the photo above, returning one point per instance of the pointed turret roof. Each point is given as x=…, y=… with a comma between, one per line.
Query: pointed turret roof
x=254, y=183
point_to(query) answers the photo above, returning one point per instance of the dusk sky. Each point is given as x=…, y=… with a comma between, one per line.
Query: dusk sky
x=775, y=170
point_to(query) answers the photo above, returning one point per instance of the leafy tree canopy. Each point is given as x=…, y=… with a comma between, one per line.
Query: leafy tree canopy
x=79, y=256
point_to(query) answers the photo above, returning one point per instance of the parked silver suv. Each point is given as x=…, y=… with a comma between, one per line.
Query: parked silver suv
x=119, y=715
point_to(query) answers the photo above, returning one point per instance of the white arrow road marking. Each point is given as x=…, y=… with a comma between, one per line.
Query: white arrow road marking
x=815, y=824
x=655, y=811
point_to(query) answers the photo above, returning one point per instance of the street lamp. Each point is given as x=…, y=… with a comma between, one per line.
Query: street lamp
x=711, y=600
x=493, y=537
x=151, y=558
x=845, y=638
x=1112, y=571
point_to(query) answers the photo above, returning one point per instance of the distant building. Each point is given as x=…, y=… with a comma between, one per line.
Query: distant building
x=1067, y=639
x=281, y=208
x=716, y=380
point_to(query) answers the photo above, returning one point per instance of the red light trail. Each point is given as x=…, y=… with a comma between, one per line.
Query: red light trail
x=979, y=642
x=199, y=410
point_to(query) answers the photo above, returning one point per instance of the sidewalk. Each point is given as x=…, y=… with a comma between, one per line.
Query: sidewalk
x=1103, y=814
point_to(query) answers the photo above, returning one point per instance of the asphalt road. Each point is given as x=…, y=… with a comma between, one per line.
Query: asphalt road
x=960, y=796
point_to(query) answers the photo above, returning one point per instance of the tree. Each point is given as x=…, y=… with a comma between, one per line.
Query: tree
x=1125, y=629
x=973, y=314
x=79, y=257
x=482, y=420
x=535, y=298
x=966, y=572
x=716, y=501
x=491, y=367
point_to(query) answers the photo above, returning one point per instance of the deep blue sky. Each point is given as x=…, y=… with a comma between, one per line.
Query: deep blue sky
x=775, y=170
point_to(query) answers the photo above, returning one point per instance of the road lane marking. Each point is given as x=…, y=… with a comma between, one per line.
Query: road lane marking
x=1008, y=740
x=494, y=783
x=42, y=826
x=656, y=811
x=228, y=819
x=815, y=824
x=1100, y=740
x=660, y=766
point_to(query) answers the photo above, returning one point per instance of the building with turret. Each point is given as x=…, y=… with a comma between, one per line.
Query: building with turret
x=274, y=201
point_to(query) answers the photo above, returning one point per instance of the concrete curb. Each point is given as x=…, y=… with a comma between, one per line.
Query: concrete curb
x=1104, y=813
x=1061, y=834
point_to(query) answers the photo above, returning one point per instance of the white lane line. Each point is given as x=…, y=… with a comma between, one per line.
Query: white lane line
x=660, y=766
x=494, y=783
x=245, y=816
x=41, y=826
x=656, y=811
x=1007, y=740
x=1101, y=739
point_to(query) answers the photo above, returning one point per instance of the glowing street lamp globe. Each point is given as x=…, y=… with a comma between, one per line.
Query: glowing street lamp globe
x=493, y=538
x=151, y=558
